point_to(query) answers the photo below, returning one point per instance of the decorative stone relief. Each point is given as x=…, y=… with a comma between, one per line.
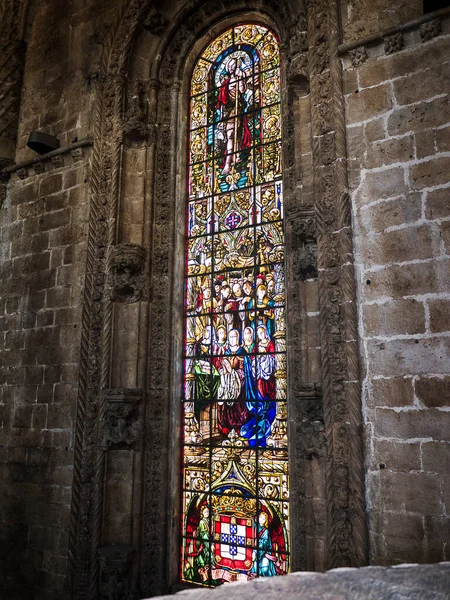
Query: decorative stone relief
x=135, y=116
x=303, y=223
x=115, y=565
x=358, y=56
x=39, y=168
x=127, y=280
x=156, y=22
x=346, y=532
x=77, y=154
x=430, y=30
x=58, y=161
x=305, y=262
x=298, y=49
x=121, y=426
x=311, y=428
x=393, y=43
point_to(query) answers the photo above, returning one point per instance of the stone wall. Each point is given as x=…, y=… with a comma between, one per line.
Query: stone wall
x=361, y=18
x=44, y=223
x=398, y=133
x=43, y=226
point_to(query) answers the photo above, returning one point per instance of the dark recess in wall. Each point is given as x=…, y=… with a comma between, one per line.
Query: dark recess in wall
x=432, y=5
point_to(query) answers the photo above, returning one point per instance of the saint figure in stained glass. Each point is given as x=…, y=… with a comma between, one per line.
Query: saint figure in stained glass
x=233, y=102
x=265, y=562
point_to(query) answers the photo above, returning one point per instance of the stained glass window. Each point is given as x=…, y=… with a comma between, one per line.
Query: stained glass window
x=235, y=505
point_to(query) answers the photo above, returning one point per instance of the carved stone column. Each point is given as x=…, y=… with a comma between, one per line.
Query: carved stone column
x=346, y=528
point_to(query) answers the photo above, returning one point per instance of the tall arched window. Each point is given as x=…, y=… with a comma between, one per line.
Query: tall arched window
x=235, y=513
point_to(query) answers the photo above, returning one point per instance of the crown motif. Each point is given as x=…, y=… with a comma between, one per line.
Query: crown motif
x=232, y=500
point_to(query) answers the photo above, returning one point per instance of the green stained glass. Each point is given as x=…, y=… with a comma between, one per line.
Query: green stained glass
x=235, y=480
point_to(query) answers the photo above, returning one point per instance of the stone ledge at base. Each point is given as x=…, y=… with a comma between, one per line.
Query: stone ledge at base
x=402, y=582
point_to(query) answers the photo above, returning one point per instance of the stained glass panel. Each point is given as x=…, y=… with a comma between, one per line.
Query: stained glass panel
x=235, y=504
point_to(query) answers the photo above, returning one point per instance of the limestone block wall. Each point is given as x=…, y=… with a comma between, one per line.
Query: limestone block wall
x=362, y=18
x=43, y=250
x=398, y=135
x=43, y=234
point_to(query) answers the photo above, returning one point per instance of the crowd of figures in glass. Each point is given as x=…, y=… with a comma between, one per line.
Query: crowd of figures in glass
x=235, y=462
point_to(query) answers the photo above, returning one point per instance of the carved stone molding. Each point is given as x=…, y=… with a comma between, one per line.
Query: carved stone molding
x=4, y=178
x=127, y=280
x=346, y=527
x=115, y=565
x=45, y=162
x=85, y=531
x=429, y=25
x=121, y=425
x=393, y=43
x=430, y=30
x=12, y=52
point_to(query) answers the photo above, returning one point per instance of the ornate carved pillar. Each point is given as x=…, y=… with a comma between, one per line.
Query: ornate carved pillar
x=346, y=528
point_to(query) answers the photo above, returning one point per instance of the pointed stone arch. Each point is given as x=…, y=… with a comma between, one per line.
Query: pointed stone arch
x=328, y=524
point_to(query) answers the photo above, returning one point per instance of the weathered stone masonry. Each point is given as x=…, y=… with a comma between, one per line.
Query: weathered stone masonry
x=398, y=132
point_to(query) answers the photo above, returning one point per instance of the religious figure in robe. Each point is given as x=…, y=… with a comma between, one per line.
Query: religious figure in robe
x=231, y=105
x=232, y=411
x=226, y=306
x=249, y=341
x=220, y=346
x=261, y=401
x=265, y=562
x=239, y=314
x=206, y=305
x=207, y=378
x=264, y=250
x=261, y=311
x=266, y=363
x=201, y=551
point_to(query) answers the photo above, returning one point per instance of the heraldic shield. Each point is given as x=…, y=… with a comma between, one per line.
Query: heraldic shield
x=233, y=535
